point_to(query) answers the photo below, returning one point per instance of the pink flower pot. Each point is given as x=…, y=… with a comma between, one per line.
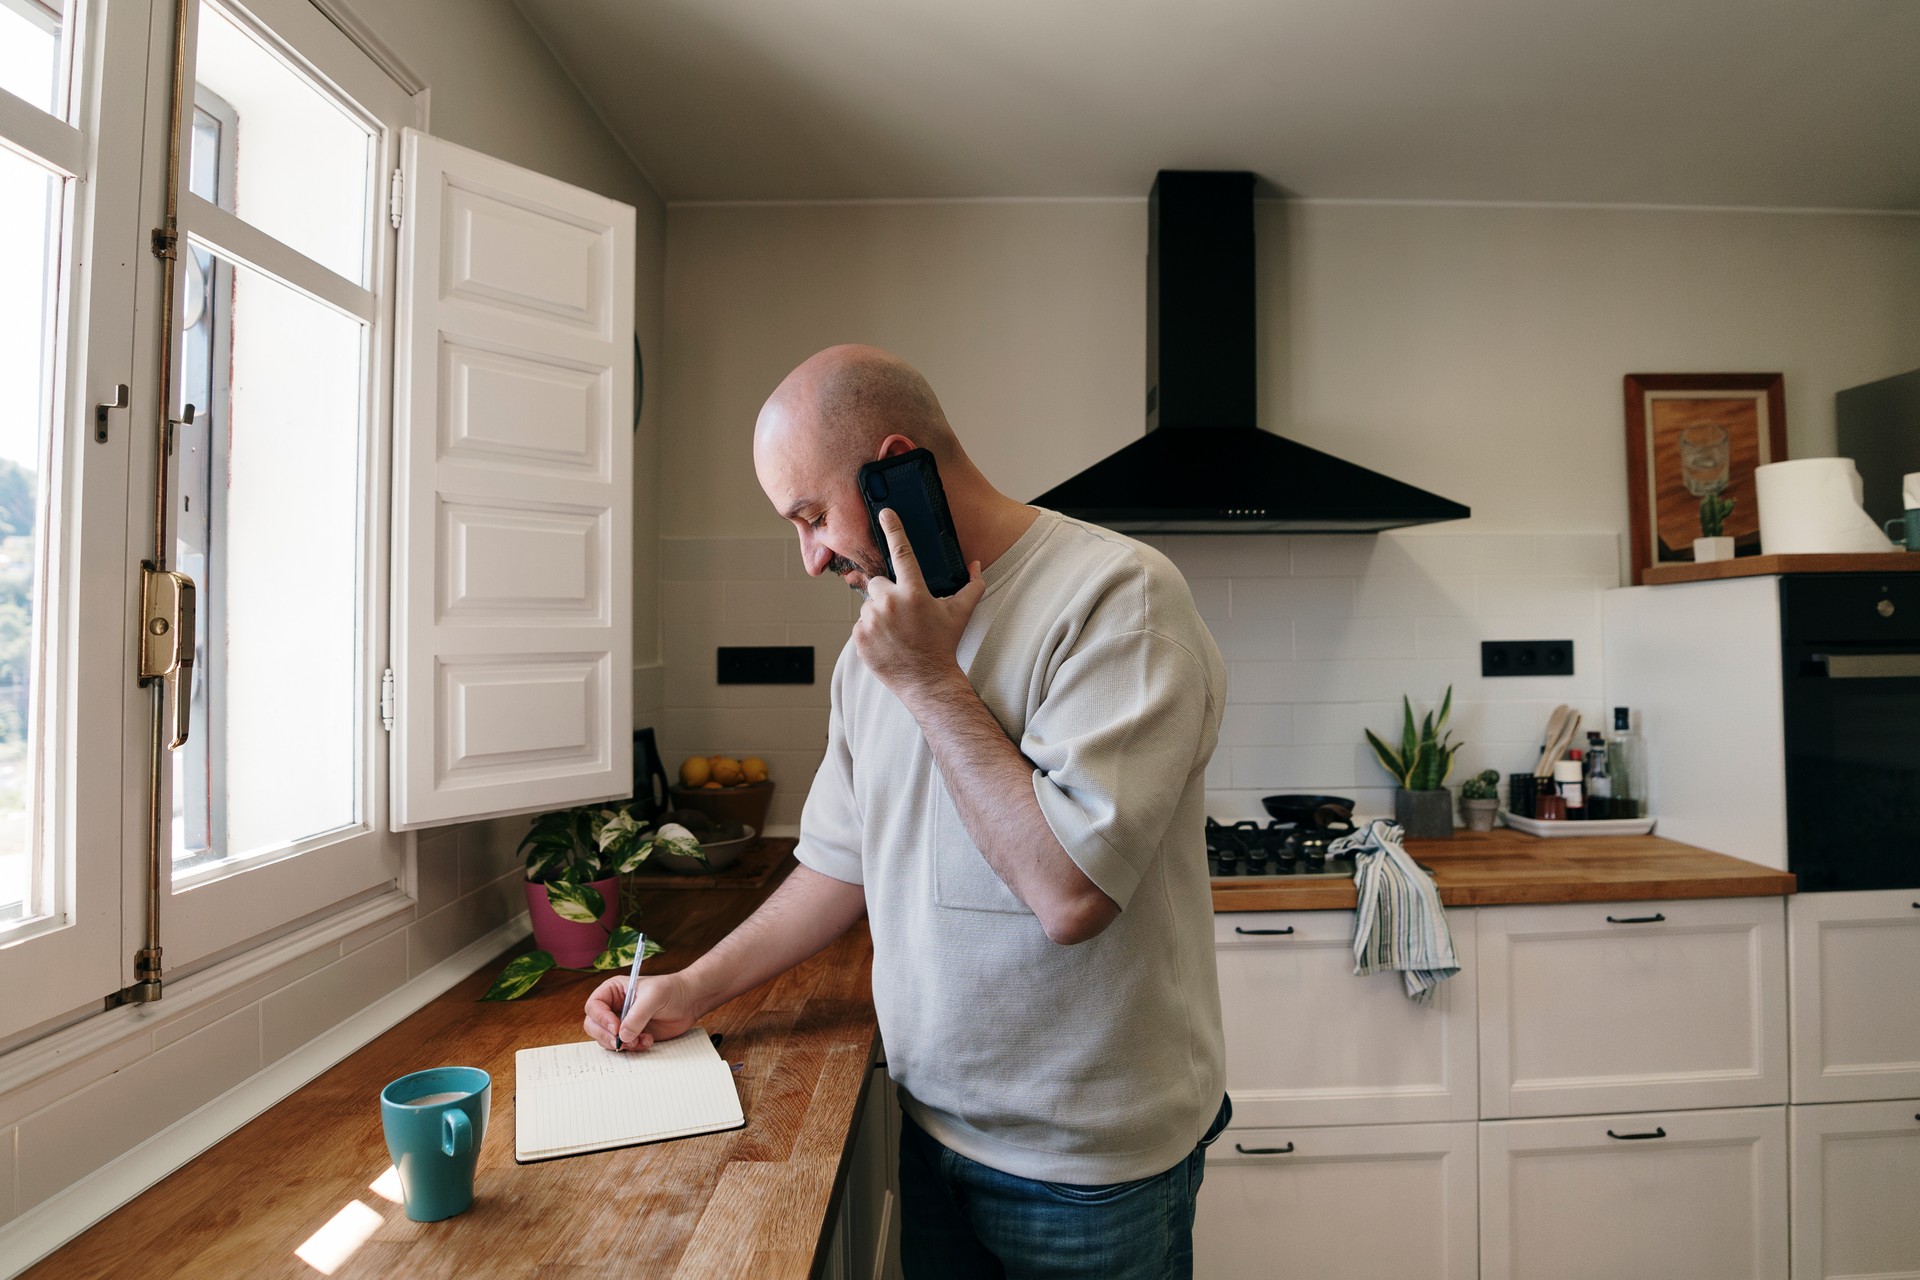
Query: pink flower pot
x=571, y=944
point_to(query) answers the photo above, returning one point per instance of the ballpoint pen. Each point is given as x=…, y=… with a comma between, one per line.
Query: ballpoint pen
x=633, y=976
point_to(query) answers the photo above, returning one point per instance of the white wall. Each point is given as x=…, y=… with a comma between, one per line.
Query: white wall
x=1474, y=351
x=124, y=1077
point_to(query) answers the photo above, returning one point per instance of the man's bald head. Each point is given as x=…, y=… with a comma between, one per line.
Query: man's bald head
x=842, y=402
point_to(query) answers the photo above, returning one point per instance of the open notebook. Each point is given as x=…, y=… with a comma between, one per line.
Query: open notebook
x=574, y=1098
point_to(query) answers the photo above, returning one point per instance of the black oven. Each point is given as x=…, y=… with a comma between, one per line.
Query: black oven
x=1850, y=647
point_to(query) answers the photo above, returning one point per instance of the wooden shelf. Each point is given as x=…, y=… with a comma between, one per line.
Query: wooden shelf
x=1661, y=575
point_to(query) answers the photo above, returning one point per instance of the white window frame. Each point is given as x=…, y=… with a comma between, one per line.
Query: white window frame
x=226, y=905
x=80, y=815
x=57, y=970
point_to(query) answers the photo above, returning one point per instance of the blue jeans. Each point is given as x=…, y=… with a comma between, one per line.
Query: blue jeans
x=961, y=1220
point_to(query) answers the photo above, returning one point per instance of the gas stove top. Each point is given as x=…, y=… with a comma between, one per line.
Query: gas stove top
x=1276, y=851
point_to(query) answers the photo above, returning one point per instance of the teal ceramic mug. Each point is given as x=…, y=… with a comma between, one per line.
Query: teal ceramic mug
x=1909, y=529
x=435, y=1122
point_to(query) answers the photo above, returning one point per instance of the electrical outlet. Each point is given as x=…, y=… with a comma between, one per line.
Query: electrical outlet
x=1526, y=657
x=768, y=664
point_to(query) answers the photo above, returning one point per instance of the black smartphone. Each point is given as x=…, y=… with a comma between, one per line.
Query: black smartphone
x=909, y=483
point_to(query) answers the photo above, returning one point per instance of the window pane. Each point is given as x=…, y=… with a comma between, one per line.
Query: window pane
x=268, y=519
x=31, y=52
x=30, y=225
x=299, y=168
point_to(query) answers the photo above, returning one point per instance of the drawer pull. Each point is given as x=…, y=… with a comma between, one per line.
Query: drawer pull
x=1655, y=918
x=1635, y=1137
x=1288, y=1149
x=1274, y=933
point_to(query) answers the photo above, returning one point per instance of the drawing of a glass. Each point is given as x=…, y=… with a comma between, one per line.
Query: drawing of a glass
x=1704, y=454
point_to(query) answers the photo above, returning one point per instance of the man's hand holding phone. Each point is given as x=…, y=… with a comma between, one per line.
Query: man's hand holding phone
x=906, y=635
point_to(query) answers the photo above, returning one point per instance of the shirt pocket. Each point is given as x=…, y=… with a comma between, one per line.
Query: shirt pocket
x=962, y=878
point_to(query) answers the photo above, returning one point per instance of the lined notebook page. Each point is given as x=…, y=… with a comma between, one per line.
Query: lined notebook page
x=573, y=1098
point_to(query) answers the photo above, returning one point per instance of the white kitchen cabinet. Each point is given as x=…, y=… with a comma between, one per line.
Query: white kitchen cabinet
x=1358, y=1203
x=1310, y=1044
x=1853, y=959
x=1692, y=1195
x=865, y=1240
x=1632, y=1006
x=1855, y=1187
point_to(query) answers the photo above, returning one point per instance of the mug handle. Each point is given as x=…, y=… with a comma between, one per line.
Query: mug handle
x=1888, y=529
x=456, y=1132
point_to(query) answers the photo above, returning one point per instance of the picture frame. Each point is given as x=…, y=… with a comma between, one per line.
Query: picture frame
x=1693, y=434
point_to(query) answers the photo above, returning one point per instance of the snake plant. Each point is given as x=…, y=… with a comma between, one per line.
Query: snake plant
x=1426, y=753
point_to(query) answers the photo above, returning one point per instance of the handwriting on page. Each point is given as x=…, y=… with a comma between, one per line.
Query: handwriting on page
x=580, y=1097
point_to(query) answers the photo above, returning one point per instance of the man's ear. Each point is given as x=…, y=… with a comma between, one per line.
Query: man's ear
x=892, y=447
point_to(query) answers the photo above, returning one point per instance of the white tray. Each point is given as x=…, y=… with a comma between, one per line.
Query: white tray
x=1599, y=827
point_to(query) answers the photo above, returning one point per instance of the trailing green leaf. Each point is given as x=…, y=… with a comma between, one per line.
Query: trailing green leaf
x=579, y=903
x=619, y=952
x=519, y=976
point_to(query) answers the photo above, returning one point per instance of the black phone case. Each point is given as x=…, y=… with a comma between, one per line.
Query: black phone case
x=909, y=483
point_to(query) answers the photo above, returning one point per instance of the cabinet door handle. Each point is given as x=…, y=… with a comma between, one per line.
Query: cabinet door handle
x=1274, y=933
x=1635, y=1137
x=1287, y=1150
x=1655, y=918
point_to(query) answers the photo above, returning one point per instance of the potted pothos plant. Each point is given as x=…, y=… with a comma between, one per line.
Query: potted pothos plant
x=574, y=860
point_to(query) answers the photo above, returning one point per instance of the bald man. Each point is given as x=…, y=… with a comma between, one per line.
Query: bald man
x=1013, y=795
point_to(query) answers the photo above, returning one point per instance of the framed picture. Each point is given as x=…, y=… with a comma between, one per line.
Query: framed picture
x=1691, y=436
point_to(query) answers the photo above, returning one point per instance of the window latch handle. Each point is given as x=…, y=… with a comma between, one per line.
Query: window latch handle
x=101, y=410
x=166, y=640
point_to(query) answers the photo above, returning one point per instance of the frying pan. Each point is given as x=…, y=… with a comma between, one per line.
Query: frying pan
x=1310, y=811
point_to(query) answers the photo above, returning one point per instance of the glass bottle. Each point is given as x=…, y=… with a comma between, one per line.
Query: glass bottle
x=1626, y=768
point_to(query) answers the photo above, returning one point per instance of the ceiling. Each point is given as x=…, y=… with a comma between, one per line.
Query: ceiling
x=1770, y=103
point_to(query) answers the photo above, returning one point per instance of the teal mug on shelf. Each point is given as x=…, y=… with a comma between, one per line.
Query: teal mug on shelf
x=435, y=1121
x=1909, y=534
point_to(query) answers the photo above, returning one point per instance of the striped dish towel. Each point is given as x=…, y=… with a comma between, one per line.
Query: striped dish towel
x=1400, y=923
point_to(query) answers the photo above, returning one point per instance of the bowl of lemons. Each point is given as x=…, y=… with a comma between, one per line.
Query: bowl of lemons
x=726, y=789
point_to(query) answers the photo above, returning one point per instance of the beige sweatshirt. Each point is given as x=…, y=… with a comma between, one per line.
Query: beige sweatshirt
x=1094, y=1063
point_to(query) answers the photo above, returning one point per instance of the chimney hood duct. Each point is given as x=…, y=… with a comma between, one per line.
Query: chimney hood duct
x=1203, y=466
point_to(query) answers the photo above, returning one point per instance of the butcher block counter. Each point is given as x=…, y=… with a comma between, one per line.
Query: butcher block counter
x=1506, y=868
x=755, y=1201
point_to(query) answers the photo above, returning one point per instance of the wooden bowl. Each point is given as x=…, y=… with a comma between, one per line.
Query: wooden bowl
x=743, y=804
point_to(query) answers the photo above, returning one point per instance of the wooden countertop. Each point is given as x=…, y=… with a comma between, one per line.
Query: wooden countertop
x=1505, y=867
x=1660, y=575
x=755, y=1201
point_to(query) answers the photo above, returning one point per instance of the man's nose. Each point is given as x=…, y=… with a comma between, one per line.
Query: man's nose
x=814, y=554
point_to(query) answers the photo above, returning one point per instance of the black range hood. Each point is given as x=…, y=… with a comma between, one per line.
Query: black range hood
x=1203, y=466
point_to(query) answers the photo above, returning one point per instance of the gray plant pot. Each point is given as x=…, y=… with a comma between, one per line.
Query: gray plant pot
x=1477, y=815
x=1426, y=815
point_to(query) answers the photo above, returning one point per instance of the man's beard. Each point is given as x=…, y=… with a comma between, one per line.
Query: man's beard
x=842, y=566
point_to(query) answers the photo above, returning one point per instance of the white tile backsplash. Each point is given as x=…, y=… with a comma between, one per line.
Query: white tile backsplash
x=1321, y=636
x=1325, y=633
x=297, y=1013
x=66, y=1141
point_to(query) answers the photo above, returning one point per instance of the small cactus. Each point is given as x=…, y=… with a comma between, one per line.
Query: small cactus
x=1484, y=785
x=1714, y=511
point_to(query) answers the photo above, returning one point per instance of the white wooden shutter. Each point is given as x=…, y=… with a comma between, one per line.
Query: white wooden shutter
x=513, y=494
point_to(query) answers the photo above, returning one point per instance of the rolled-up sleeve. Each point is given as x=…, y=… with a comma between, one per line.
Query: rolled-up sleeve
x=830, y=822
x=1124, y=723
